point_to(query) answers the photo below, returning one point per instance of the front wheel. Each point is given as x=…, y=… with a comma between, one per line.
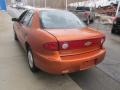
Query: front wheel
x=31, y=63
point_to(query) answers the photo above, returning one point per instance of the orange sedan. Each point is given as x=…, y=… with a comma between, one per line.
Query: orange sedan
x=57, y=42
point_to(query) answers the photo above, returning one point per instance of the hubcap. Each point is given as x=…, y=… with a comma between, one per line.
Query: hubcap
x=30, y=59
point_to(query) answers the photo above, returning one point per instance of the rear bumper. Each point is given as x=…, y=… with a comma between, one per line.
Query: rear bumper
x=69, y=64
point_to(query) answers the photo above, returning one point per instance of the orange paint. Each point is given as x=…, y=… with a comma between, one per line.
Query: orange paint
x=60, y=51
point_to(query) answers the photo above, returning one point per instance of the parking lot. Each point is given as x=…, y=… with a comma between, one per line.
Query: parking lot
x=15, y=73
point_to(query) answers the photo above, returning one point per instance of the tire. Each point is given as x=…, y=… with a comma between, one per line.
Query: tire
x=15, y=37
x=92, y=20
x=113, y=31
x=31, y=63
x=88, y=21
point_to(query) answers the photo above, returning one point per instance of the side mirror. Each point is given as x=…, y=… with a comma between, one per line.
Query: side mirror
x=15, y=19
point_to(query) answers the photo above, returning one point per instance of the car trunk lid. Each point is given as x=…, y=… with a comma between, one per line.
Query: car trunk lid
x=77, y=41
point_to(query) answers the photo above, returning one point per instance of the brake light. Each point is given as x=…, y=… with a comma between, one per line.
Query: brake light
x=65, y=45
x=69, y=45
x=52, y=46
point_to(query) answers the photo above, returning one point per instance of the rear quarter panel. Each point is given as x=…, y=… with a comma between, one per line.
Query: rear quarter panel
x=37, y=37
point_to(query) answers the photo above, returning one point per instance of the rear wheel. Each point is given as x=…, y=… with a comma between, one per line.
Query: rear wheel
x=31, y=63
x=92, y=20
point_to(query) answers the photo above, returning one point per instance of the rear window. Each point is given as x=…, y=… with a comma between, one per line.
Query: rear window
x=83, y=8
x=58, y=19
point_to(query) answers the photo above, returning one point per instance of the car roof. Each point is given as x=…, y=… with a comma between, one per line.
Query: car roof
x=48, y=9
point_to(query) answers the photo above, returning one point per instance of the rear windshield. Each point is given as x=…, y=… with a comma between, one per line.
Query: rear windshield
x=58, y=19
x=83, y=8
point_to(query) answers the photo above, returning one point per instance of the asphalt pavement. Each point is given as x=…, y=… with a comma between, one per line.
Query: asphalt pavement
x=15, y=74
x=106, y=75
x=111, y=64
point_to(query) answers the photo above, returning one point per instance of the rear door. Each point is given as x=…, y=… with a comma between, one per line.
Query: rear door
x=17, y=26
x=25, y=25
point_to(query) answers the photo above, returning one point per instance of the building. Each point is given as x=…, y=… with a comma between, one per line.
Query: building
x=49, y=3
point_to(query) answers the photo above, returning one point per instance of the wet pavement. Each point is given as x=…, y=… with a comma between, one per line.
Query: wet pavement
x=106, y=76
x=111, y=64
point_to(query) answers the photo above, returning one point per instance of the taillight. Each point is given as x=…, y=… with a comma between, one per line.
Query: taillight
x=65, y=45
x=52, y=46
x=69, y=45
